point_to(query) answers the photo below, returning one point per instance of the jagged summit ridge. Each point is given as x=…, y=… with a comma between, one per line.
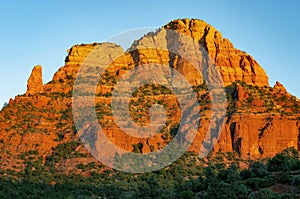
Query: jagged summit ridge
x=233, y=64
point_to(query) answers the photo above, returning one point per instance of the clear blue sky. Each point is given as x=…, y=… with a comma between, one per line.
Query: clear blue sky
x=39, y=32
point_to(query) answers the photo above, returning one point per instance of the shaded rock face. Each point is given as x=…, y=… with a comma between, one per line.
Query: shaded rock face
x=260, y=122
x=35, y=81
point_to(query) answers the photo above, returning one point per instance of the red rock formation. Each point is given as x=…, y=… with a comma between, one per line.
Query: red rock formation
x=260, y=121
x=35, y=81
x=234, y=64
x=241, y=93
x=257, y=136
x=279, y=87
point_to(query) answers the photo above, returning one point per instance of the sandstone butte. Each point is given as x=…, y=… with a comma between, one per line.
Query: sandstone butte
x=261, y=120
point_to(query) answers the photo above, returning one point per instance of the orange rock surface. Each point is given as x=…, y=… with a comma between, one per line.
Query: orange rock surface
x=35, y=81
x=234, y=64
x=260, y=122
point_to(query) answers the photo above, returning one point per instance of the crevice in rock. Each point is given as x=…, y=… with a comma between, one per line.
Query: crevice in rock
x=298, y=125
x=190, y=28
x=217, y=51
x=203, y=41
x=232, y=132
x=253, y=74
x=242, y=64
x=135, y=56
x=261, y=150
x=261, y=134
x=264, y=128
x=217, y=46
x=236, y=143
x=231, y=92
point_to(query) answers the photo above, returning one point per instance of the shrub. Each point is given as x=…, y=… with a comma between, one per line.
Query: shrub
x=246, y=174
x=259, y=169
x=296, y=181
x=257, y=183
x=283, y=177
x=285, y=161
x=264, y=194
x=286, y=196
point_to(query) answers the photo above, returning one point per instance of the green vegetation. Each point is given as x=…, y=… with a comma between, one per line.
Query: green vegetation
x=63, y=151
x=188, y=177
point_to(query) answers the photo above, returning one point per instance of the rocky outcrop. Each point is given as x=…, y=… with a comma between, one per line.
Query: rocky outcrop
x=76, y=56
x=260, y=122
x=256, y=136
x=233, y=64
x=241, y=93
x=279, y=87
x=35, y=81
